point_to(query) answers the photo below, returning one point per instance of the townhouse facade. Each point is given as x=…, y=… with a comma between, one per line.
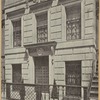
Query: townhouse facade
x=47, y=40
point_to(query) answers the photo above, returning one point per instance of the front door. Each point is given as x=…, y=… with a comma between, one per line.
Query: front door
x=42, y=72
x=73, y=78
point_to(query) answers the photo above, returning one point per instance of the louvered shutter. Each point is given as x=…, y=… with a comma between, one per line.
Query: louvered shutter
x=8, y=34
x=29, y=29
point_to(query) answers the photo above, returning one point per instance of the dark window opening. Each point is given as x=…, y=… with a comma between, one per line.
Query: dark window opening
x=73, y=78
x=42, y=28
x=16, y=75
x=3, y=23
x=17, y=33
x=97, y=22
x=73, y=22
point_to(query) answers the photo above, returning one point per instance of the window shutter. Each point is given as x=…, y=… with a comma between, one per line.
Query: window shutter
x=29, y=29
x=8, y=34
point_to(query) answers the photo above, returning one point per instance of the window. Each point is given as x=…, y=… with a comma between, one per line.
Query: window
x=73, y=78
x=17, y=33
x=42, y=28
x=97, y=22
x=73, y=22
x=16, y=75
x=3, y=23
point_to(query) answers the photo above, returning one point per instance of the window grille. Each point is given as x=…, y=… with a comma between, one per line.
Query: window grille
x=42, y=28
x=97, y=22
x=17, y=33
x=73, y=22
x=73, y=77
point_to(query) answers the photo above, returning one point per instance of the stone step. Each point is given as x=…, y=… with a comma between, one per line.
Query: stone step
x=94, y=94
x=95, y=77
x=93, y=98
x=94, y=88
x=95, y=82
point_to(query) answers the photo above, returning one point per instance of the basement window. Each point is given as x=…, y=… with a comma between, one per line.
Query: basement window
x=16, y=75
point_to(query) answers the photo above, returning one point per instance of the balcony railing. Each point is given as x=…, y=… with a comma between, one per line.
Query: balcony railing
x=35, y=92
x=73, y=29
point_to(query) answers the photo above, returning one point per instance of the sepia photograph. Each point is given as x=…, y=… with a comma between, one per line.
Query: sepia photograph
x=50, y=49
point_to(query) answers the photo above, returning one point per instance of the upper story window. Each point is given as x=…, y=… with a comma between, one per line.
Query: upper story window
x=3, y=23
x=73, y=22
x=42, y=28
x=17, y=33
x=97, y=22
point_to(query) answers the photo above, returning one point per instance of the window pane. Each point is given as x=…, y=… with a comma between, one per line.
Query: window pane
x=73, y=78
x=16, y=74
x=17, y=33
x=42, y=29
x=73, y=22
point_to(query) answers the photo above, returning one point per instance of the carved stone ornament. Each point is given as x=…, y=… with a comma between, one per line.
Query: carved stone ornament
x=41, y=49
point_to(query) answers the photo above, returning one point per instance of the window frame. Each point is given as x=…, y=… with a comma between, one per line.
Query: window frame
x=13, y=68
x=78, y=62
x=14, y=21
x=70, y=4
x=43, y=68
x=43, y=25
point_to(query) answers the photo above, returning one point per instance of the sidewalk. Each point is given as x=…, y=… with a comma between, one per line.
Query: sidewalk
x=3, y=96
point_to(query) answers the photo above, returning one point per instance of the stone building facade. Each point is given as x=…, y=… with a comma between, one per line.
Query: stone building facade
x=50, y=39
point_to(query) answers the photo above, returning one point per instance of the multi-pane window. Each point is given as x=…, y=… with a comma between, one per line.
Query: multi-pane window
x=97, y=22
x=17, y=33
x=42, y=28
x=73, y=22
x=16, y=75
x=73, y=78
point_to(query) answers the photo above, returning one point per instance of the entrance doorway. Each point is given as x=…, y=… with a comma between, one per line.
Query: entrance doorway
x=73, y=78
x=42, y=72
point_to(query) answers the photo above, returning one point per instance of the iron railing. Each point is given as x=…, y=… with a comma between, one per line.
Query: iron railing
x=42, y=92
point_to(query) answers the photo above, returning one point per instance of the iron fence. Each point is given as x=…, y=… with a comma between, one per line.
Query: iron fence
x=43, y=92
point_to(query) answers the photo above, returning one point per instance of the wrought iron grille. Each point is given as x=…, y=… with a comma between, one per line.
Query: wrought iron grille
x=42, y=28
x=42, y=34
x=73, y=22
x=30, y=92
x=73, y=29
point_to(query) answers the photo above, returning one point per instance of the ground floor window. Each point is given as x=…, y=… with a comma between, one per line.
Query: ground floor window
x=16, y=74
x=73, y=78
x=42, y=72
